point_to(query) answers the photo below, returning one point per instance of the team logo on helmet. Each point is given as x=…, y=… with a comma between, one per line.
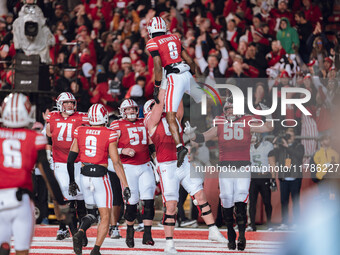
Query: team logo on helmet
x=156, y=25
x=65, y=97
x=98, y=115
x=16, y=111
x=148, y=106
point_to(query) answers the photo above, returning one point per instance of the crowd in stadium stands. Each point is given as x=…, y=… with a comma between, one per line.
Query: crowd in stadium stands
x=285, y=42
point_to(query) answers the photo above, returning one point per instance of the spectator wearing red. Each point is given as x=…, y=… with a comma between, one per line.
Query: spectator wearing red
x=280, y=12
x=276, y=54
x=129, y=75
x=140, y=71
x=101, y=93
x=312, y=12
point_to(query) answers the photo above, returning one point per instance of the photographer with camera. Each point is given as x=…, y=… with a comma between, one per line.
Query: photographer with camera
x=288, y=154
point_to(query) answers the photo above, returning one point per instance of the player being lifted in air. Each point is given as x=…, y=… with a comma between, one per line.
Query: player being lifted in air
x=167, y=52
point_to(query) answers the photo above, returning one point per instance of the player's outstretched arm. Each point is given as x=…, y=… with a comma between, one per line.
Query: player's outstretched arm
x=155, y=116
x=157, y=63
x=200, y=137
x=117, y=164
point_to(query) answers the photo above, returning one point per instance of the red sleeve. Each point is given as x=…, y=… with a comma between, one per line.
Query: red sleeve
x=115, y=125
x=229, y=6
x=113, y=136
x=75, y=133
x=72, y=60
x=128, y=80
x=151, y=45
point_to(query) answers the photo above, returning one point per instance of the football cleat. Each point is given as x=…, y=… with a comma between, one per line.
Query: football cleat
x=241, y=243
x=216, y=235
x=147, y=239
x=115, y=234
x=78, y=242
x=130, y=242
x=170, y=247
x=62, y=234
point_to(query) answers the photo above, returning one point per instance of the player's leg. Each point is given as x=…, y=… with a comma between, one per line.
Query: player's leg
x=174, y=94
x=132, y=177
x=170, y=192
x=88, y=187
x=117, y=204
x=102, y=230
x=194, y=186
x=61, y=174
x=23, y=225
x=241, y=195
x=147, y=188
x=227, y=201
x=6, y=218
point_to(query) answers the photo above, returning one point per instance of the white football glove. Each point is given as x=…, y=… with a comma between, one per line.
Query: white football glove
x=189, y=130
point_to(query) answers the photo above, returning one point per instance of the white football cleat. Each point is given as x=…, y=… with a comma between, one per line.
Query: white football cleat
x=170, y=247
x=216, y=235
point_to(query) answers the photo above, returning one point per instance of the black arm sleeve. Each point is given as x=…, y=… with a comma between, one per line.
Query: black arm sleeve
x=72, y=156
x=199, y=138
x=49, y=140
x=152, y=149
x=154, y=53
x=58, y=195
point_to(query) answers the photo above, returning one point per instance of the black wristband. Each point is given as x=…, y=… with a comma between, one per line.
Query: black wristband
x=158, y=83
x=199, y=138
x=49, y=140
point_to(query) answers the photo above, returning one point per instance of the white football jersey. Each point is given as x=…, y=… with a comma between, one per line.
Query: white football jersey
x=259, y=156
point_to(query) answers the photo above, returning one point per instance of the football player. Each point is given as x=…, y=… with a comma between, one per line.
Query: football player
x=234, y=139
x=167, y=52
x=172, y=176
x=20, y=149
x=94, y=144
x=133, y=144
x=59, y=130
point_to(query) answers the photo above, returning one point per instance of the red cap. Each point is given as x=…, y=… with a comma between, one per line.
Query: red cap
x=140, y=62
x=213, y=52
x=307, y=76
x=81, y=29
x=284, y=74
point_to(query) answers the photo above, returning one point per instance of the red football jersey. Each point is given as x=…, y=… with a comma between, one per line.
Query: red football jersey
x=132, y=135
x=93, y=143
x=168, y=46
x=62, y=130
x=18, y=155
x=164, y=143
x=234, y=139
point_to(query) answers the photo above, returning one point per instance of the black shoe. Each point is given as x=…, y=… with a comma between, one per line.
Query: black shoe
x=93, y=252
x=147, y=239
x=231, y=245
x=78, y=242
x=231, y=238
x=181, y=152
x=111, y=230
x=84, y=241
x=130, y=242
x=241, y=243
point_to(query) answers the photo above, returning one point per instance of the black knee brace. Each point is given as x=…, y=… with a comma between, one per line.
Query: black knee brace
x=169, y=216
x=87, y=221
x=130, y=212
x=148, y=209
x=228, y=216
x=200, y=209
x=241, y=213
x=5, y=249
